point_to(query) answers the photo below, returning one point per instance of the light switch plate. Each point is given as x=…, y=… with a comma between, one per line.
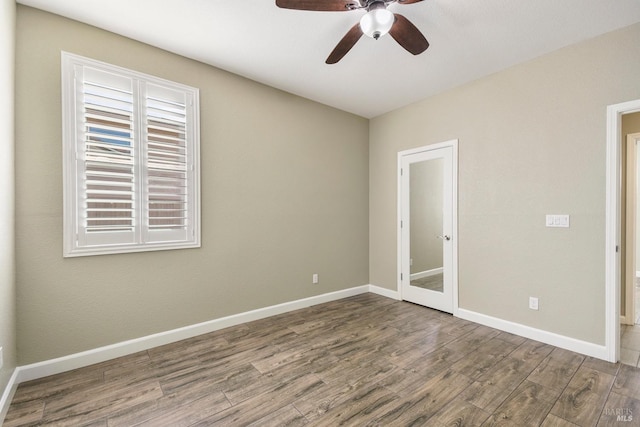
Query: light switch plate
x=561, y=221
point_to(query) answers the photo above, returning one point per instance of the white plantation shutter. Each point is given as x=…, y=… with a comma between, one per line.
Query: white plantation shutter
x=131, y=161
x=168, y=164
x=106, y=158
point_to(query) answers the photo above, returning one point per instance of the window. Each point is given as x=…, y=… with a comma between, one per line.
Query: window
x=131, y=160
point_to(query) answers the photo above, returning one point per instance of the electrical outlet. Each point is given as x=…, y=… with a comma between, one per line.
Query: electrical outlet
x=314, y=279
x=533, y=303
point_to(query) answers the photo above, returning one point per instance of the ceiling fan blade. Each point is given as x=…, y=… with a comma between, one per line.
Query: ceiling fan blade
x=319, y=5
x=345, y=45
x=408, y=36
x=408, y=1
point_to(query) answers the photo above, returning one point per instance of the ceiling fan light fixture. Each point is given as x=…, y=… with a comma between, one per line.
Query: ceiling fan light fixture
x=376, y=23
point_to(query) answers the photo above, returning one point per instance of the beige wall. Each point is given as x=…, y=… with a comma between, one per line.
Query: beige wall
x=284, y=195
x=630, y=123
x=7, y=290
x=425, y=200
x=531, y=142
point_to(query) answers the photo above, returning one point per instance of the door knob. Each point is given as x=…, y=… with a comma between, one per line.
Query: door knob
x=445, y=237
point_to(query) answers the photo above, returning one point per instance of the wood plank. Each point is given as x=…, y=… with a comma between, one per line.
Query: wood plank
x=57, y=385
x=286, y=416
x=460, y=413
x=176, y=410
x=417, y=408
x=285, y=385
x=408, y=349
x=483, y=358
x=554, y=421
x=495, y=385
x=531, y=352
x=627, y=382
x=252, y=409
x=279, y=359
x=511, y=338
x=601, y=365
x=620, y=410
x=475, y=338
x=79, y=408
x=557, y=369
x=315, y=405
x=352, y=373
x=207, y=379
x=584, y=398
x=360, y=407
x=528, y=405
x=29, y=412
x=404, y=382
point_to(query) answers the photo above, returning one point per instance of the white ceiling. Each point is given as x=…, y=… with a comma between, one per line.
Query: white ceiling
x=286, y=49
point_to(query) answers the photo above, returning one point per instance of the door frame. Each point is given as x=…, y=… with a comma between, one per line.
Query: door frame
x=613, y=225
x=454, y=214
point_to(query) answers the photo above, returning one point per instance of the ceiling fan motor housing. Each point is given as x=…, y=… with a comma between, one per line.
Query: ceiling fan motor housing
x=377, y=21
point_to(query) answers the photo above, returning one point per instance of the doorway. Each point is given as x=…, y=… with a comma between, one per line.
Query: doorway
x=613, y=232
x=629, y=307
x=427, y=209
x=629, y=329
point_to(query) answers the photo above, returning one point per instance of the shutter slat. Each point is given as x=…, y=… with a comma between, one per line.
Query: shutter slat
x=166, y=112
x=107, y=148
x=99, y=116
x=168, y=119
x=168, y=154
x=110, y=159
x=168, y=166
x=167, y=143
x=106, y=132
x=166, y=129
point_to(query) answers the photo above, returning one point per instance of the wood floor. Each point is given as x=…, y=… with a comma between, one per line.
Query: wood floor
x=365, y=360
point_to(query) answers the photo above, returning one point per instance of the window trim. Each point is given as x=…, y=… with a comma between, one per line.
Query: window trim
x=72, y=133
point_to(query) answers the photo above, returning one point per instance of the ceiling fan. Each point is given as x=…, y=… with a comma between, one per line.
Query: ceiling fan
x=377, y=22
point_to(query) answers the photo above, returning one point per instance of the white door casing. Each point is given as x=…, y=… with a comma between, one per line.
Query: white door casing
x=612, y=229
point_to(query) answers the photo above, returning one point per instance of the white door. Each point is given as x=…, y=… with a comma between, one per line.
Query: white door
x=428, y=240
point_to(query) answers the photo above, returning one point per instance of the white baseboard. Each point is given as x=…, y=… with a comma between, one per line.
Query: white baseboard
x=583, y=347
x=626, y=321
x=426, y=273
x=101, y=354
x=7, y=396
x=384, y=292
